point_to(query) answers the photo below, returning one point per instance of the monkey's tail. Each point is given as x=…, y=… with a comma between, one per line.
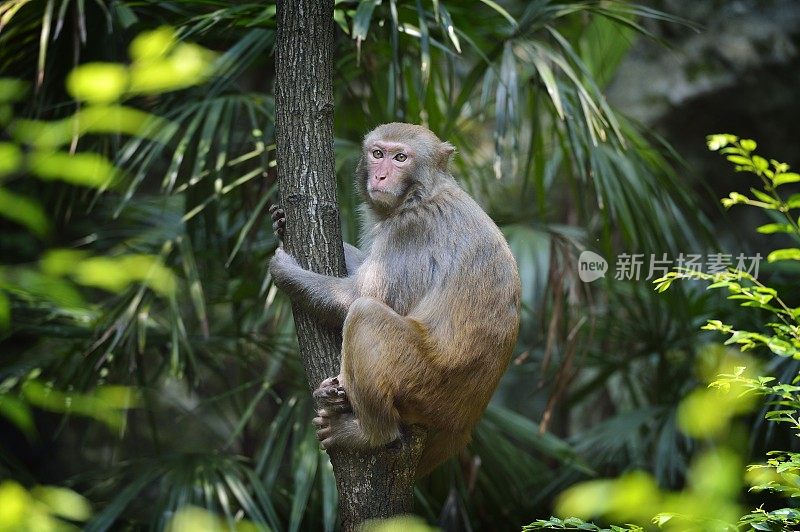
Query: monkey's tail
x=439, y=447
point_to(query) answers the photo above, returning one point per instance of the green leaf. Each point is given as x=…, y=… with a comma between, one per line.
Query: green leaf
x=188, y=65
x=93, y=406
x=44, y=36
x=549, y=80
x=760, y=163
x=58, y=262
x=122, y=397
x=775, y=228
x=784, y=254
x=497, y=7
x=116, y=273
x=5, y=311
x=363, y=17
x=10, y=158
x=449, y=28
x=330, y=496
x=12, y=90
x=787, y=177
x=340, y=17
x=719, y=141
x=781, y=347
x=91, y=119
x=24, y=211
x=32, y=283
x=748, y=144
x=63, y=502
x=18, y=413
x=16, y=504
x=738, y=159
x=98, y=82
x=733, y=199
x=194, y=518
x=85, y=169
x=766, y=198
x=424, y=49
x=6, y=113
x=153, y=45
x=304, y=469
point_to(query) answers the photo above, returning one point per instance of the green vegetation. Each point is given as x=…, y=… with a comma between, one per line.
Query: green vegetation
x=42, y=508
x=149, y=377
x=710, y=501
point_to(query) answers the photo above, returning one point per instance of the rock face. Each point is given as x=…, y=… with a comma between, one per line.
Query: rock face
x=739, y=73
x=733, y=39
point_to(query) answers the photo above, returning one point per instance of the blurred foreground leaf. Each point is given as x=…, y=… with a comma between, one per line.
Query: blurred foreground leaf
x=403, y=523
x=63, y=502
x=93, y=119
x=21, y=510
x=105, y=407
x=116, y=273
x=10, y=158
x=85, y=169
x=192, y=519
x=25, y=211
x=98, y=82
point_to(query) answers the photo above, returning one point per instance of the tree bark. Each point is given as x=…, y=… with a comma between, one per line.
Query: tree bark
x=379, y=483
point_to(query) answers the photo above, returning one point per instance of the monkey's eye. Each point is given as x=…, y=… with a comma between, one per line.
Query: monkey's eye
x=400, y=157
x=378, y=154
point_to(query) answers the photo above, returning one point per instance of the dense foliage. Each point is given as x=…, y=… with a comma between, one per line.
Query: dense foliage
x=710, y=501
x=149, y=365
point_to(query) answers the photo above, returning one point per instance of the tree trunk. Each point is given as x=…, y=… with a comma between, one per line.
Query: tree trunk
x=374, y=484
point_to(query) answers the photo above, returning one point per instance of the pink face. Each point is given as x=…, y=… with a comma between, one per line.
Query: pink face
x=387, y=162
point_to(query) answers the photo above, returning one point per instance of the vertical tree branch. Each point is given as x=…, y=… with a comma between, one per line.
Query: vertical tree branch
x=304, y=137
x=371, y=484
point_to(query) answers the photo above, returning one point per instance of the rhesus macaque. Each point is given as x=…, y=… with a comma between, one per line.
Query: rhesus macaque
x=429, y=310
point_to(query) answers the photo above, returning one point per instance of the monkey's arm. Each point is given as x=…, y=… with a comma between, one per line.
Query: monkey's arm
x=327, y=298
x=353, y=257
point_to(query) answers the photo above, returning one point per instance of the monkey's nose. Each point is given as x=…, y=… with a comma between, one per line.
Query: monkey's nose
x=380, y=177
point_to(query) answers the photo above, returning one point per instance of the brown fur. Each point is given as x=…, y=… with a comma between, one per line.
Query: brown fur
x=430, y=310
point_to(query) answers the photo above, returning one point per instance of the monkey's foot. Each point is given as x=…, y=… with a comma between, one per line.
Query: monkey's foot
x=331, y=396
x=334, y=428
x=324, y=428
x=278, y=220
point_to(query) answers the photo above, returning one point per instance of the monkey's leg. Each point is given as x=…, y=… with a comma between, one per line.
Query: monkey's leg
x=378, y=347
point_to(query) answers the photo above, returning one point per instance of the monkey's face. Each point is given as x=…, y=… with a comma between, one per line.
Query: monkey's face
x=389, y=166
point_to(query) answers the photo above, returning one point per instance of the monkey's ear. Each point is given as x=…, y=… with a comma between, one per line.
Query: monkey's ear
x=446, y=150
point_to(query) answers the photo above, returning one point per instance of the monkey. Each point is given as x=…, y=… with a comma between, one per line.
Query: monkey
x=429, y=311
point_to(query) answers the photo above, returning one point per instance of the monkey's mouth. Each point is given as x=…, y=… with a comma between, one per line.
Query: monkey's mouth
x=382, y=195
